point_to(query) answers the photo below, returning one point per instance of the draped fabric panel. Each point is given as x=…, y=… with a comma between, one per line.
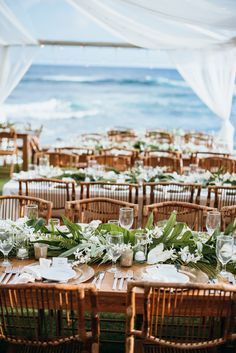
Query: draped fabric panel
x=17, y=51
x=199, y=36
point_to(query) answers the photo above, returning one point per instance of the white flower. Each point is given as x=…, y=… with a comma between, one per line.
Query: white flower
x=187, y=257
x=158, y=254
x=154, y=233
x=94, y=224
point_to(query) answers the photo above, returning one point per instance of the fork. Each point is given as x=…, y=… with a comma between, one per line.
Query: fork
x=9, y=273
x=128, y=275
x=117, y=276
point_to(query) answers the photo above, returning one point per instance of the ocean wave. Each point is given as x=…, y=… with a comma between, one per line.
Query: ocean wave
x=53, y=109
x=147, y=80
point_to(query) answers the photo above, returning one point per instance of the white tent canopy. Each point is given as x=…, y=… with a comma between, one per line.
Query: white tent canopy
x=200, y=37
x=17, y=50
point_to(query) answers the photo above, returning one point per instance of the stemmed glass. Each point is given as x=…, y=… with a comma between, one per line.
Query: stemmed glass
x=126, y=217
x=212, y=221
x=114, y=249
x=224, y=251
x=6, y=245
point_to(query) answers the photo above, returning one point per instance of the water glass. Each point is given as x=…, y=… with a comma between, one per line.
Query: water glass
x=126, y=217
x=113, y=221
x=53, y=223
x=31, y=211
x=44, y=161
x=21, y=243
x=224, y=251
x=140, y=247
x=114, y=248
x=6, y=245
x=213, y=221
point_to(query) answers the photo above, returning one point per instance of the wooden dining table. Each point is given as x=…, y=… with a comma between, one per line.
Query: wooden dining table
x=110, y=300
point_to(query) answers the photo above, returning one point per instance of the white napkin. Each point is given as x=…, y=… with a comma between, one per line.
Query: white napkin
x=24, y=278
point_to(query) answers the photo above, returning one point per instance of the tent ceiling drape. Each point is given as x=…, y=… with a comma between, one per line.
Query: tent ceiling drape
x=200, y=37
x=17, y=50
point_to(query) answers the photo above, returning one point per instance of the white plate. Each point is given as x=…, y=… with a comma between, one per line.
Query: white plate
x=58, y=275
x=164, y=275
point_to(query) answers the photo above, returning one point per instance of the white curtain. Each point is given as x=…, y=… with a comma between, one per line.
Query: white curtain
x=17, y=50
x=199, y=36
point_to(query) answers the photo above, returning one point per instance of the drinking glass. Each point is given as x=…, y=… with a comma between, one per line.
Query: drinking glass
x=224, y=251
x=53, y=223
x=212, y=221
x=6, y=245
x=126, y=217
x=31, y=211
x=113, y=221
x=44, y=161
x=114, y=242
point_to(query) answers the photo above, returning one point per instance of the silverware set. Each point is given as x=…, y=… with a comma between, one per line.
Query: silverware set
x=98, y=278
x=119, y=279
x=6, y=276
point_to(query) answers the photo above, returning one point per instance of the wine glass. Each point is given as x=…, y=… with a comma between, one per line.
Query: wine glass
x=212, y=221
x=126, y=217
x=114, y=242
x=31, y=211
x=224, y=251
x=6, y=245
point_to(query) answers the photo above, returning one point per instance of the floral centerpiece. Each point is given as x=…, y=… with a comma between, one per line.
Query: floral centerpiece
x=167, y=242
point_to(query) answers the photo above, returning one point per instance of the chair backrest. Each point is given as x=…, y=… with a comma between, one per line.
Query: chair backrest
x=117, y=191
x=171, y=191
x=56, y=191
x=192, y=214
x=120, y=163
x=100, y=208
x=160, y=136
x=59, y=159
x=220, y=196
x=228, y=215
x=199, y=138
x=12, y=207
x=172, y=163
x=48, y=315
x=8, y=141
x=179, y=317
x=213, y=164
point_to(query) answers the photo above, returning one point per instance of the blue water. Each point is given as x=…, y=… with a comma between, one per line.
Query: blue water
x=69, y=100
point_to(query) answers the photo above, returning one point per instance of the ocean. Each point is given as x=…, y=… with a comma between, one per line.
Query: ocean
x=70, y=100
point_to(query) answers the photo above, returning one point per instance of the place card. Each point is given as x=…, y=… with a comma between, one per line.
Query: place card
x=44, y=263
x=59, y=262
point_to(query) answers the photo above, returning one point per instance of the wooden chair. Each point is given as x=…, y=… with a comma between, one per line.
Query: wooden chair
x=59, y=159
x=56, y=191
x=192, y=214
x=213, y=164
x=118, y=191
x=48, y=318
x=199, y=139
x=120, y=163
x=100, y=208
x=121, y=152
x=8, y=150
x=220, y=196
x=228, y=215
x=171, y=191
x=172, y=163
x=160, y=136
x=184, y=318
x=12, y=207
x=120, y=135
x=81, y=152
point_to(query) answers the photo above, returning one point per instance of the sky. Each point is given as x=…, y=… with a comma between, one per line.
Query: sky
x=57, y=19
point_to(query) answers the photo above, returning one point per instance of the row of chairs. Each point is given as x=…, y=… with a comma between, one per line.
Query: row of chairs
x=159, y=317
x=105, y=209
x=60, y=191
x=125, y=159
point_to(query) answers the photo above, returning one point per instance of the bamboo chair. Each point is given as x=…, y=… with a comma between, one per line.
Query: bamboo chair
x=192, y=214
x=172, y=163
x=160, y=136
x=8, y=149
x=120, y=151
x=213, y=164
x=12, y=207
x=171, y=191
x=118, y=191
x=59, y=159
x=220, y=196
x=48, y=318
x=100, y=208
x=82, y=152
x=228, y=215
x=203, y=154
x=56, y=191
x=119, y=163
x=121, y=135
x=184, y=318
x=199, y=139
